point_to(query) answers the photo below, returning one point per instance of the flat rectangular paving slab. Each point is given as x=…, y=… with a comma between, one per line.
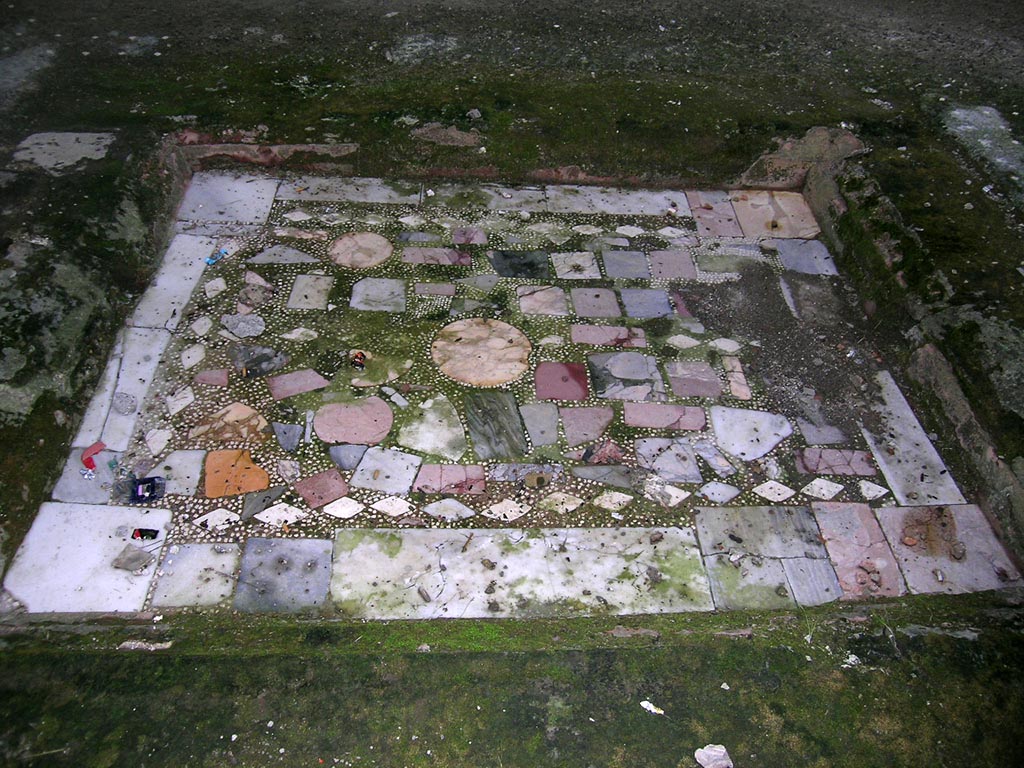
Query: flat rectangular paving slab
x=64, y=565
x=162, y=303
x=193, y=575
x=947, y=549
x=283, y=575
x=763, y=531
x=902, y=450
x=863, y=560
x=424, y=574
x=74, y=486
x=140, y=358
x=228, y=198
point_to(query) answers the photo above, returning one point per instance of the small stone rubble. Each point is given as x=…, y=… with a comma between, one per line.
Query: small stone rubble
x=364, y=385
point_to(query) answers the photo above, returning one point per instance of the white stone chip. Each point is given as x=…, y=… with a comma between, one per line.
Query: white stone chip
x=215, y=287
x=180, y=400
x=157, y=439
x=192, y=356
x=202, y=326
x=613, y=501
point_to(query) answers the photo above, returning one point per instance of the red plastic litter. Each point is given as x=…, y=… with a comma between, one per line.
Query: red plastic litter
x=91, y=451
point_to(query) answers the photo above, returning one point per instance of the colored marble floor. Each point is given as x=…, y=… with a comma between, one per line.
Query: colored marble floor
x=408, y=405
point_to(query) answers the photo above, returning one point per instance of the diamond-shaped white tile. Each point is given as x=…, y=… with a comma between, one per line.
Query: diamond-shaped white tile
x=613, y=501
x=587, y=229
x=820, y=488
x=297, y=216
x=560, y=502
x=506, y=510
x=217, y=520
x=393, y=506
x=344, y=508
x=871, y=491
x=281, y=514
x=773, y=491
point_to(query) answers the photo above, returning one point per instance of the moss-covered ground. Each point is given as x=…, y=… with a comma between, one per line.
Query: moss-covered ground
x=933, y=681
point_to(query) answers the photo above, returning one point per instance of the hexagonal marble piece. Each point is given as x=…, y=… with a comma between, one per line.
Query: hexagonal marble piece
x=435, y=429
x=310, y=292
x=626, y=265
x=672, y=459
x=561, y=503
x=773, y=490
x=282, y=254
x=579, y=265
x=219, y=519
x=379, y=294
x=693, y=378
x=363, y=422
x=595, y=302
x=645, y=302
x=196, y=574
x=481, y=352
x=437, y=257
x=626, y=376
x=820, y=488
x=613, y=501
x=542, y=300
x=748, y=434
x=386, y=470
x=720, y=493
x=233, y=422
x=322, y=488
x=562, y=381
x=233, y=472
x=283, y=575
x=608, y=336
x=360, y=250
